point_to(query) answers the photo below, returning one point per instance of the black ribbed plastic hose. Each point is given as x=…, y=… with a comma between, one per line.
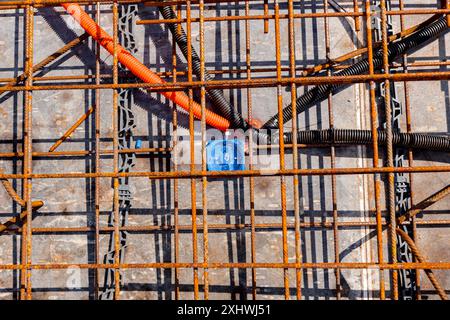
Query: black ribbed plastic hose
x=216, y=96
x=319, y=93
x=395, y=49
x=350, y=136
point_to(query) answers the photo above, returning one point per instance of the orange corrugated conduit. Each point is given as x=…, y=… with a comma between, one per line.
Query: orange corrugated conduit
x=138, y=68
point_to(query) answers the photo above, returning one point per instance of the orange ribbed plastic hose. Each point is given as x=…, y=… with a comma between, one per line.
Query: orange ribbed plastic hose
x=137, y=68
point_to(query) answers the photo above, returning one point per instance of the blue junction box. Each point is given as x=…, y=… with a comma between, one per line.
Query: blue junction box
x=138, y=144
x=225, y=155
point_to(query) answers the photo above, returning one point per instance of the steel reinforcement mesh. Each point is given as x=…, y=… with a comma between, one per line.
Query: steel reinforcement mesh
x=107, y=192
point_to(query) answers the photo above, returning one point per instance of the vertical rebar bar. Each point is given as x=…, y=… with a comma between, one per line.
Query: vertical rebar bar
x=266, y=13
x=374, y=129
x=203, y=132
x=410, y=151
x=389, y=150
x=337, y=272
x=97, y=158
x=295, y=159
x=250, y=148
x=27, y=149
x=192, y=148
x=116, y=155
x=357, y=19
x=281, y=149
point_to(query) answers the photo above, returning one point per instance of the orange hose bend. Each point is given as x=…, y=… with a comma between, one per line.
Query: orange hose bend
x=138, y=68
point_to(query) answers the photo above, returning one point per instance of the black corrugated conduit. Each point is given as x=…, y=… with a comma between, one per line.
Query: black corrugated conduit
x=395, y=49
x=350, y=136
x=216, y=96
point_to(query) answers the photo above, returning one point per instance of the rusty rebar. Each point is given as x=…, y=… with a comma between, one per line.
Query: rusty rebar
x=97, y=161
x=281, y=151
x=193, y=174
x=192, y=150
x=374, y=127
x=23, y=214
x=337, y=273
x=285, y=77
x=406, y=88
x=26, y=241
x=389, y=147
x=233, y=226
x=248, y=71
x=411, y=213
x=296, y=196
x=421, y=259
x=11, y=191
x=115, y=117
x=419, y=207
x=49, y=59
x=69, y=132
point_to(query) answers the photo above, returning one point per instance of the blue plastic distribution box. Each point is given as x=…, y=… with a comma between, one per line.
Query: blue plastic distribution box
x=225, y=155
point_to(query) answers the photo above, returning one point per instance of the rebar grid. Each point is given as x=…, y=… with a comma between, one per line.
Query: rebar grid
x=255, y=78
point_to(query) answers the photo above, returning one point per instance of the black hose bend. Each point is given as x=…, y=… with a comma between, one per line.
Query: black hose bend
x=216, y=96
x=351, y=136
x=395, y=49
